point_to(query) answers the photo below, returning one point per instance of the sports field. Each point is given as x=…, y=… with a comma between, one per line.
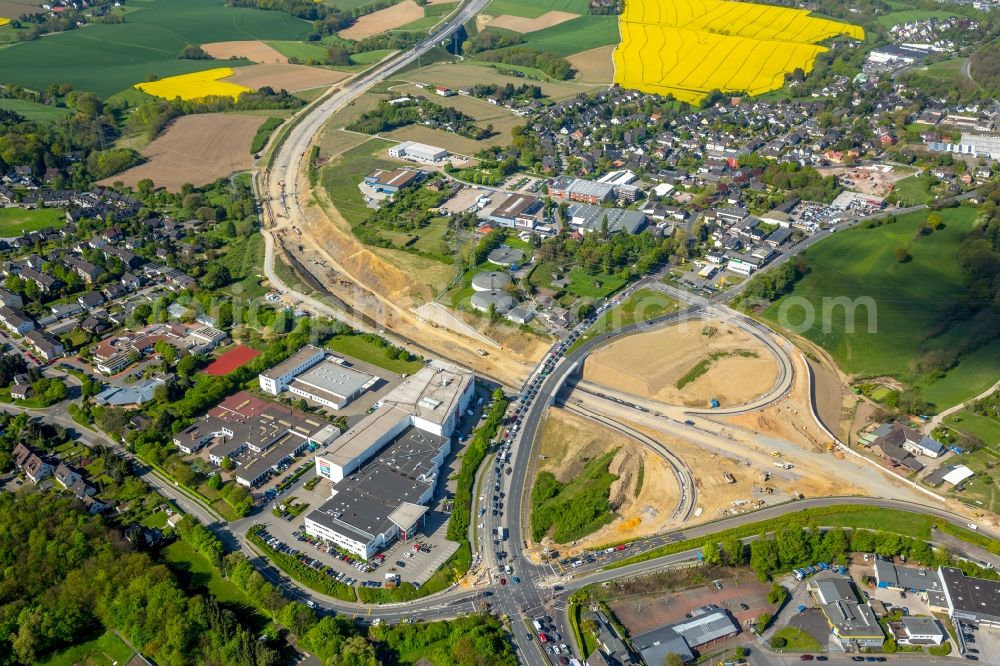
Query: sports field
x=911, y=302
x=106, y=59
x=17, y=221
x=689, y=47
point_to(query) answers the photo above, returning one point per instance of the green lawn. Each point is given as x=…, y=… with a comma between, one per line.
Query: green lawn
x=433, y=14
x=41, y=113
x=908, y=303
x=576, y=35
x=106, y=58
x=342, y=177
x=105, y=650
x=370, y=57
x=347, y=5
x=363, y=350
x=797, y=640
x=304, y=51
x=17, y=221
x=643, y=305
x=158, y=520
x=244, y=258
x=430, y=239
x=983, y=427
x=184, y=558
x=535, y=9
x=914, y=190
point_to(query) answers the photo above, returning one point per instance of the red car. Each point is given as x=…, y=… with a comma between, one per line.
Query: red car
x=620, y=547
x=542, y=637
x=503, y=581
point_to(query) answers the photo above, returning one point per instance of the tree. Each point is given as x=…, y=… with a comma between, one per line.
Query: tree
x=778, y=642
x=673, y=659
x=902, y=255
x=710, y=553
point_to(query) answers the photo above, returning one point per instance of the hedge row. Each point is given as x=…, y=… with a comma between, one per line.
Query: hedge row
x=306, y=575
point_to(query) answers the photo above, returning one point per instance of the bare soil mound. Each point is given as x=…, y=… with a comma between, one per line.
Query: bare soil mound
x=687, y=364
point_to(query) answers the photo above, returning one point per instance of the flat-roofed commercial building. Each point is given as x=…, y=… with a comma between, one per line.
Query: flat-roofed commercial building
x=257, y=435
x=276, y=380
x=974, y=599
x=517, y=210
x=386, y=499
x=385, y=467
x=421, y=152
x=332, y=384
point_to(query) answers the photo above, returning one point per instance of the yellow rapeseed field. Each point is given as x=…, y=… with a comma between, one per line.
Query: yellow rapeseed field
x=195, y=85
x=4, y=21
x=688, y=48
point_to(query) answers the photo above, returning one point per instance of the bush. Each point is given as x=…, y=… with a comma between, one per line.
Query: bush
x=777, y=641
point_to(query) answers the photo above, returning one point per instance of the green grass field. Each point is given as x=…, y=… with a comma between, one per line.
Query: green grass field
x=17, y=221
x=357, y=347
x=796, y=640
x=914, y=190
x=347, y=5
x=342, y=177
x=304, y=51
x=184, y=558
x=370, y=57
x=535, y=9
x=580, y=34
x=105, y=650
x=910, y=299
x=108, y=58
x=42, y=113
x=983, y=427
x=908, y=15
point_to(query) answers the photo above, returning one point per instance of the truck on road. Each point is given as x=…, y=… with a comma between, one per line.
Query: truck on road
x=502, y=533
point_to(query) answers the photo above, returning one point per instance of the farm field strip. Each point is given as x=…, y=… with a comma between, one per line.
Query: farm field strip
x=195, y=85
x=689, y=47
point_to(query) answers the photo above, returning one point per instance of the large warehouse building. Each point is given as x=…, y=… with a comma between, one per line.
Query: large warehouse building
x=420, y=152
x=379, y=499
x=313, y=374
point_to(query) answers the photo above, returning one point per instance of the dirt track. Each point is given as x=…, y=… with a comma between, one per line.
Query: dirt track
x=651, y=364
x=196, y=149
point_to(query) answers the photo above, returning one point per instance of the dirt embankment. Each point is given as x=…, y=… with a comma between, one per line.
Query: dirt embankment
x=662, y=365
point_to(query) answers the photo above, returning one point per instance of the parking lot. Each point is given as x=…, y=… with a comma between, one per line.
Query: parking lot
x=415, y=566
x=980, y=642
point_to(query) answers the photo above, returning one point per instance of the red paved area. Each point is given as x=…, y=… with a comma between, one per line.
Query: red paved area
x=232, y=359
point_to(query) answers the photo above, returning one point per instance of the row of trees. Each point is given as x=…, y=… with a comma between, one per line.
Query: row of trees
x=387, y=117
